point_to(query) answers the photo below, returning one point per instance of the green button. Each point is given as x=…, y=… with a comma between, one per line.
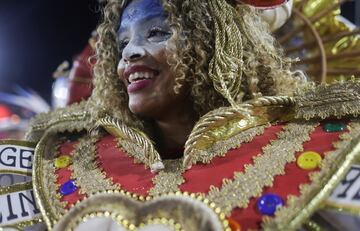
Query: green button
x=334, y=127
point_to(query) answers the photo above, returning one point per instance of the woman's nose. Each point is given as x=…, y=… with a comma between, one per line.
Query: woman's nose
x=133, y=52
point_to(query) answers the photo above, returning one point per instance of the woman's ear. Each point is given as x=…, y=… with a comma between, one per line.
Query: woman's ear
x=274, y=12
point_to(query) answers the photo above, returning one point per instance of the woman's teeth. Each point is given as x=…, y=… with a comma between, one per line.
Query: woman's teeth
x=137, y=76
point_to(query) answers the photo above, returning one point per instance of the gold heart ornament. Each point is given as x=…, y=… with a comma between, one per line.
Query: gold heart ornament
x=118, y=212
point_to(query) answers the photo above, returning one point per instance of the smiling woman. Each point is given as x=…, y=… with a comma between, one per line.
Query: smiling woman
x=144, y=38
x=178, y=49
x=144, y=49
x=196, y=122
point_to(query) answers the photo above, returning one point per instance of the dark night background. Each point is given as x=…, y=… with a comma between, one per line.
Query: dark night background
x=37, y=35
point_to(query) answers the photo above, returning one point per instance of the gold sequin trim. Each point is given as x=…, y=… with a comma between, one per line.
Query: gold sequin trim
x=15, y=188
x=18, y=142
x=71, y=118
x=250, y=183
x=89, y=178
x=45, y=120
x=163, y=221
x=22, y=225
x=169, y=179
x=323, y=101
x=44, y=179
x=120, y=220
x=334, y=167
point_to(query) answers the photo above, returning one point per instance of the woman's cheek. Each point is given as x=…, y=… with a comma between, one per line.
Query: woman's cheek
x=120, y=68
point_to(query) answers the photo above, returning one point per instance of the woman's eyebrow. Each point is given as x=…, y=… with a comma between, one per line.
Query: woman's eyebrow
x=121, y=30
x=146, y=18
x=153, y=15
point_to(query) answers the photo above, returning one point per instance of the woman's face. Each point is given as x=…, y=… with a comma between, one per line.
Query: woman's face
x=144, y=41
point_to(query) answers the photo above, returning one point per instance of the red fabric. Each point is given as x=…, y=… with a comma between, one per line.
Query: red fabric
x=81, y=70
x=64, y=175
x=5, y=112
x=263, y=3
x=79, y=92
x=81, y=65
x=121, y=168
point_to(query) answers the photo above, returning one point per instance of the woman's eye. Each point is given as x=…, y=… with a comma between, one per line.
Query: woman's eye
x=157, y=32
x=122, y=45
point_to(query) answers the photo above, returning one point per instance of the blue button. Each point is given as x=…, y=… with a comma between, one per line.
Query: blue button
x=68, y=188
x=268, y=203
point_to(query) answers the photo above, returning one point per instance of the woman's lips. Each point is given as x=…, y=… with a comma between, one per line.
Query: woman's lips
x=138, y=69
x=139, y=77
x=138, y=85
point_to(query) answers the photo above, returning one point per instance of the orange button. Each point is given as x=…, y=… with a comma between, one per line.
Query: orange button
x=309, y=160
x=62, y=161
x=234, y=225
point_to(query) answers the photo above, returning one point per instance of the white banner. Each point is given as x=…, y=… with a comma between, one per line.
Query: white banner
x=18, y=205
x=346, y=196
x=16, y=157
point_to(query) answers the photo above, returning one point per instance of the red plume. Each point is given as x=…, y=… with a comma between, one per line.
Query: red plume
x=263, y=3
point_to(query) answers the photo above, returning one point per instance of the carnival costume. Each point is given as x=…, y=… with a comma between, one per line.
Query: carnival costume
x=265, y=163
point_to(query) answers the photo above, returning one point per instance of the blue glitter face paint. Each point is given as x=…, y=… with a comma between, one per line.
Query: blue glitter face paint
x=140, y=11
x=144, y=47
x=143, y=22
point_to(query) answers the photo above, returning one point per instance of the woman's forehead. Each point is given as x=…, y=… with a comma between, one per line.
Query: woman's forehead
x=140, y=10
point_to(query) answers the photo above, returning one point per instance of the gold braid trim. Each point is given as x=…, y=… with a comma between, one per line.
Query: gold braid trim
x=44, y=179
x=221, y=147
x=237, y=192
x=198, y=140
x=272, y=101
x=85, y=169
x=227, y=127
x=71, y=118
x=136, y=143
x=226, y=67
x=334, y=167
x=323, y=101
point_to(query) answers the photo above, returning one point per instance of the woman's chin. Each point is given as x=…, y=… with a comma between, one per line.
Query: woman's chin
x=139, y=109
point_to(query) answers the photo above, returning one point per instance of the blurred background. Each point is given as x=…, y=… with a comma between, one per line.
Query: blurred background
x=36, y=36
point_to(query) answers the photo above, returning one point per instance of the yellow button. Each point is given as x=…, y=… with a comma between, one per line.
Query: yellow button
x=309, y=160
x=62, y=161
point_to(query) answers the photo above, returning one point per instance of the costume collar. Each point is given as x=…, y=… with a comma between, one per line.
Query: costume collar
x=213, y=135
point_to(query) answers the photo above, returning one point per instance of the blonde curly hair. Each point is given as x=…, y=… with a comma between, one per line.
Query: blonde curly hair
x=264, y=70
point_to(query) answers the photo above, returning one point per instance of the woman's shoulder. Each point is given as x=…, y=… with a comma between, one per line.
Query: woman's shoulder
x=298, y=148
x=68, y=119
